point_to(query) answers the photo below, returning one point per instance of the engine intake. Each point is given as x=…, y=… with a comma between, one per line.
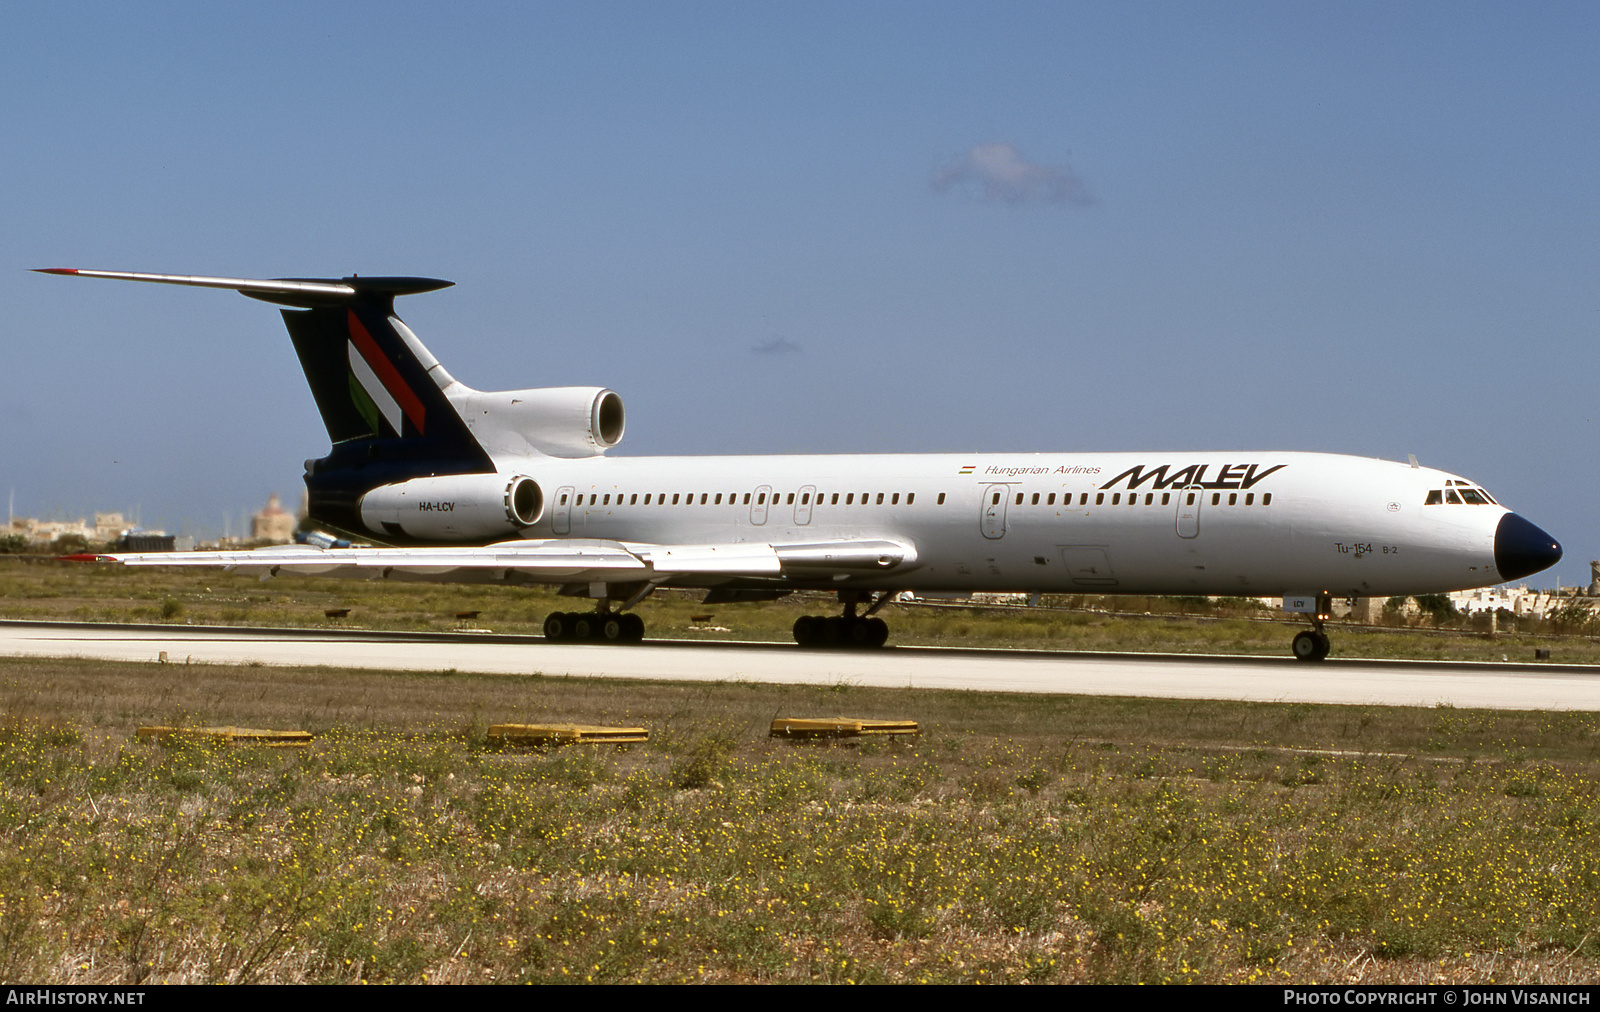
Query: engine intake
x=454, y=507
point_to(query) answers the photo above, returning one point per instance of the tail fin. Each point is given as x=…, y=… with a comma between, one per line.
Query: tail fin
x=369, y=374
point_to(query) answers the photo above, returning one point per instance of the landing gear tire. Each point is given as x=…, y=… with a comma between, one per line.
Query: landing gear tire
x=836, y=631
x=558, y=627
x=1311, y=646
x=632, y=628
x=805, y=630
x=611, y=628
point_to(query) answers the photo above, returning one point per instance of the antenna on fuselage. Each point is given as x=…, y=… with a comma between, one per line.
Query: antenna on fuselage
x=1413, y=458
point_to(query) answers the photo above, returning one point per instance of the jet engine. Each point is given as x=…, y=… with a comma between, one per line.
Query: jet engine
x=553, y=421
x=454, y=507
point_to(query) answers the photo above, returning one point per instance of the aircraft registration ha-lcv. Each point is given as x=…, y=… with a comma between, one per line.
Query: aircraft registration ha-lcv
x=448, y=483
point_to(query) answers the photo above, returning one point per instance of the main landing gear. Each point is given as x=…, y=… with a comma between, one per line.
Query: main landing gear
x=593, y=627
x=601, y=625
x=845, y=631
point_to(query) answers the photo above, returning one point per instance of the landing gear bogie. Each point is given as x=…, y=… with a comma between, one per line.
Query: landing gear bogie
x=841, y=631
x=593, y=627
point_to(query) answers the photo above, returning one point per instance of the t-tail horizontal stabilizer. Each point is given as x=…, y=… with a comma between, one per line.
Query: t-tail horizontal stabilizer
x=307, y=293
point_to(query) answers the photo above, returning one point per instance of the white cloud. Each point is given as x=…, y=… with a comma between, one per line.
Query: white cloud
x=999, y=172
x=777, y=346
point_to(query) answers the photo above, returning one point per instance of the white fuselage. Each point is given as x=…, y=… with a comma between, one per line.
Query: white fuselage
x=1242, y=523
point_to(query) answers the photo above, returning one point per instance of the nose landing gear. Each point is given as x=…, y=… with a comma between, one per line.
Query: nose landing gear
x=1312, y=644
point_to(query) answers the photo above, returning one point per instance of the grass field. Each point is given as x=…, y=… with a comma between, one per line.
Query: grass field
x=1018, y=838
x=1046, y=839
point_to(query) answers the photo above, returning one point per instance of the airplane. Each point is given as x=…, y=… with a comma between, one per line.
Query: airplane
x=451, y=484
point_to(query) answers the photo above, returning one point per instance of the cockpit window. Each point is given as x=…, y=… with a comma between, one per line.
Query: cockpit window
x=1459, y=493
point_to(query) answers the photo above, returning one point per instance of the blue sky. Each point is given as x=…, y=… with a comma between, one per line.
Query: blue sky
x=1364, y=228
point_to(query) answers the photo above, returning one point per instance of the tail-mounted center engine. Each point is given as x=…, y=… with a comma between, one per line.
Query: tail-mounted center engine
x=453, y=507
x=554, y=421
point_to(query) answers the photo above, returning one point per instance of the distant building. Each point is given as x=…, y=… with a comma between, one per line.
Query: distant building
x=146, y=541
x=108, y=526
x=1520, y=601
x=273, y=523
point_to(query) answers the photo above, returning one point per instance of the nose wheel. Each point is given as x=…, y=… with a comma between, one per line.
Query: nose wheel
x=1311, y=645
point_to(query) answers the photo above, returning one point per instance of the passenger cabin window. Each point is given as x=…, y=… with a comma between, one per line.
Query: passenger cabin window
x=894, y=500
x=941, y=499
x=880, y=499
x=911, y=497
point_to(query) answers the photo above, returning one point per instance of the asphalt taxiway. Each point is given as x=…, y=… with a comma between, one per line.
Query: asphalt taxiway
x=1175, y=676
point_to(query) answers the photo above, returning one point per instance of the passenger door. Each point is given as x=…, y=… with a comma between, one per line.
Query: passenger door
x=561, y=516
x=802, y=505
x=1189, y=501
x=993, y=518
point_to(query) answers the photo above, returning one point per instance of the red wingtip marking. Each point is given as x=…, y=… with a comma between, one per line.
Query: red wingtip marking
x=55, y=270
x=90, y=557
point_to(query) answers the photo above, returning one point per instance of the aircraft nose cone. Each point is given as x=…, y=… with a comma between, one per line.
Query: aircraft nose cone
x=1521, y=549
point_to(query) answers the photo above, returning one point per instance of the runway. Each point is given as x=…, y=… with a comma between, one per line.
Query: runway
x=1173, y=676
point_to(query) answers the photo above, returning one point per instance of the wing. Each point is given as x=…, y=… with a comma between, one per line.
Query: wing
x=564, y=561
